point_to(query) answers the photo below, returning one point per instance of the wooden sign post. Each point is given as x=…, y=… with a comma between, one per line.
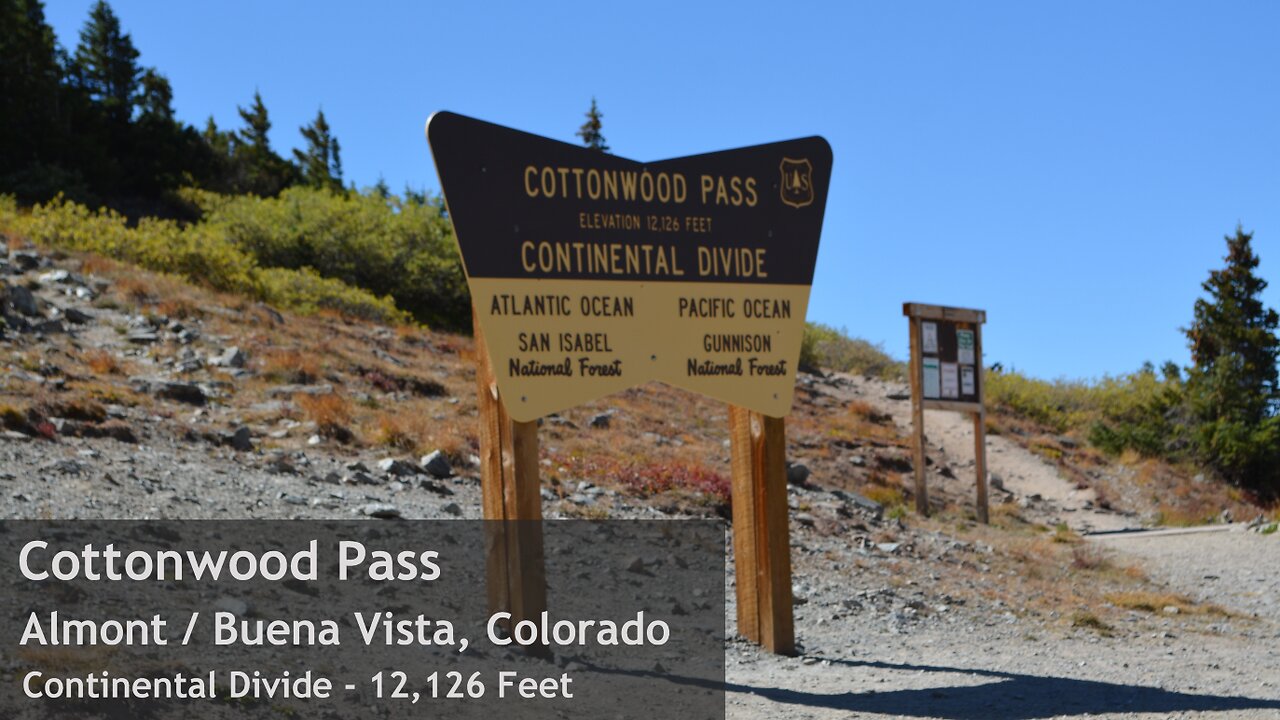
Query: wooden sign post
x=510, y=493
x=946, y=374
x=591, y=273
x=761, y=535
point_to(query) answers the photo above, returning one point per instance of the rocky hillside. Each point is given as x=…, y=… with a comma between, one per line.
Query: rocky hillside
x=131, y=395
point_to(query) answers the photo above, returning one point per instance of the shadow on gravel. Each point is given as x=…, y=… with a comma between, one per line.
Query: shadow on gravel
x=1009, y=696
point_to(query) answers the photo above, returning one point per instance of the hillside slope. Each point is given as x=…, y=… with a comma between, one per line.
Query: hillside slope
x=131, y=395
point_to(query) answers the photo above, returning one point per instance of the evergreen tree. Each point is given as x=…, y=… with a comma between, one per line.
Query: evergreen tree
x=257, y=123
x=157, y=96
x=106, y=65
x=1232, y=387
x=217, y=140
x=34, y=132
x=255, y=167
x=321, y=162
x=29, y=87
x=590, y=130
x=414, y=197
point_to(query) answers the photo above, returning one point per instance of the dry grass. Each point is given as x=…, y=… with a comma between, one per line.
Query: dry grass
x=102, y=362
x=1086, y=619
x=67, y=659
x=291, y=366
x=1159, y=602
x=331, y=413
x=1089, y=557
x=12, y=418
x=889, y=494
x=99, y=265
x=406, y=428
x=182, y=308
x=134, y=288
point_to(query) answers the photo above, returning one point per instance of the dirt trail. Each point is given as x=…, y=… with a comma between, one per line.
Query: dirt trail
x=1017, y=474
x=1229, y=566
x=864, y=658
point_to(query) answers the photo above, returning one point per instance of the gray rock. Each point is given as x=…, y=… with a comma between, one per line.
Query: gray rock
x=25, y=261
x=291, y=390
x=77, y=317
x=15, y=322
x=54, y=276
x=23, y=301
x=858, y=461
x=398, y=468
x=452, y=509
x=231, y=357
x=235, y=606
x=188, y=363
x=864, y=504
x=241, y=439
x=142, y=336
x=797, y=474
x=189, y=393
x=382, y=511
x=69, y=467
x=50, y=327
x=602, y=420
x=315, y=440
x=435, y=487
x=436, y=464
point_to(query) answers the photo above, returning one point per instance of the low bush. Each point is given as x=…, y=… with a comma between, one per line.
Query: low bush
x=203, y=253
x=827, y=347
x=399, y=250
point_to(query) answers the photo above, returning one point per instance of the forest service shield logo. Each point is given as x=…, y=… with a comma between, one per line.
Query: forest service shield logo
x=797, y=182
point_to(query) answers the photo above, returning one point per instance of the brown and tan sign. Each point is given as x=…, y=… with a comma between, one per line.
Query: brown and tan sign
x=591, y=273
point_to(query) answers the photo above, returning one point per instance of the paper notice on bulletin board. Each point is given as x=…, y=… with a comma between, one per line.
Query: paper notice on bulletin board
x=929, y=337
x=964, y=347
x=950, y=380
x=966, y=381
x=931, y=381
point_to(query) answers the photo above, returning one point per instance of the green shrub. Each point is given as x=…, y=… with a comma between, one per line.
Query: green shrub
x=201, y=253
x=404, y=250
x=306, y=291
x=827, y=347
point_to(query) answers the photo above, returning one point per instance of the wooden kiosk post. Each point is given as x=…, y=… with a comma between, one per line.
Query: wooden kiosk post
x=946, y=374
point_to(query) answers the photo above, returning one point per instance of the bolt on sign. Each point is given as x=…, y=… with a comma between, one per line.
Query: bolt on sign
x=591, y=273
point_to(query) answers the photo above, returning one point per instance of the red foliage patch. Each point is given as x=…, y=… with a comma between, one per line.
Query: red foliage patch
x=652, y=478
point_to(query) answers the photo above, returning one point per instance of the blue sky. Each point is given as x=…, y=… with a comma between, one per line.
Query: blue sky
x=1070, y=167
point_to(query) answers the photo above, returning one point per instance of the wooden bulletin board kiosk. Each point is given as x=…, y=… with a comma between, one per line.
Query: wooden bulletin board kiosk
x=946, y=374
x=591, y=273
